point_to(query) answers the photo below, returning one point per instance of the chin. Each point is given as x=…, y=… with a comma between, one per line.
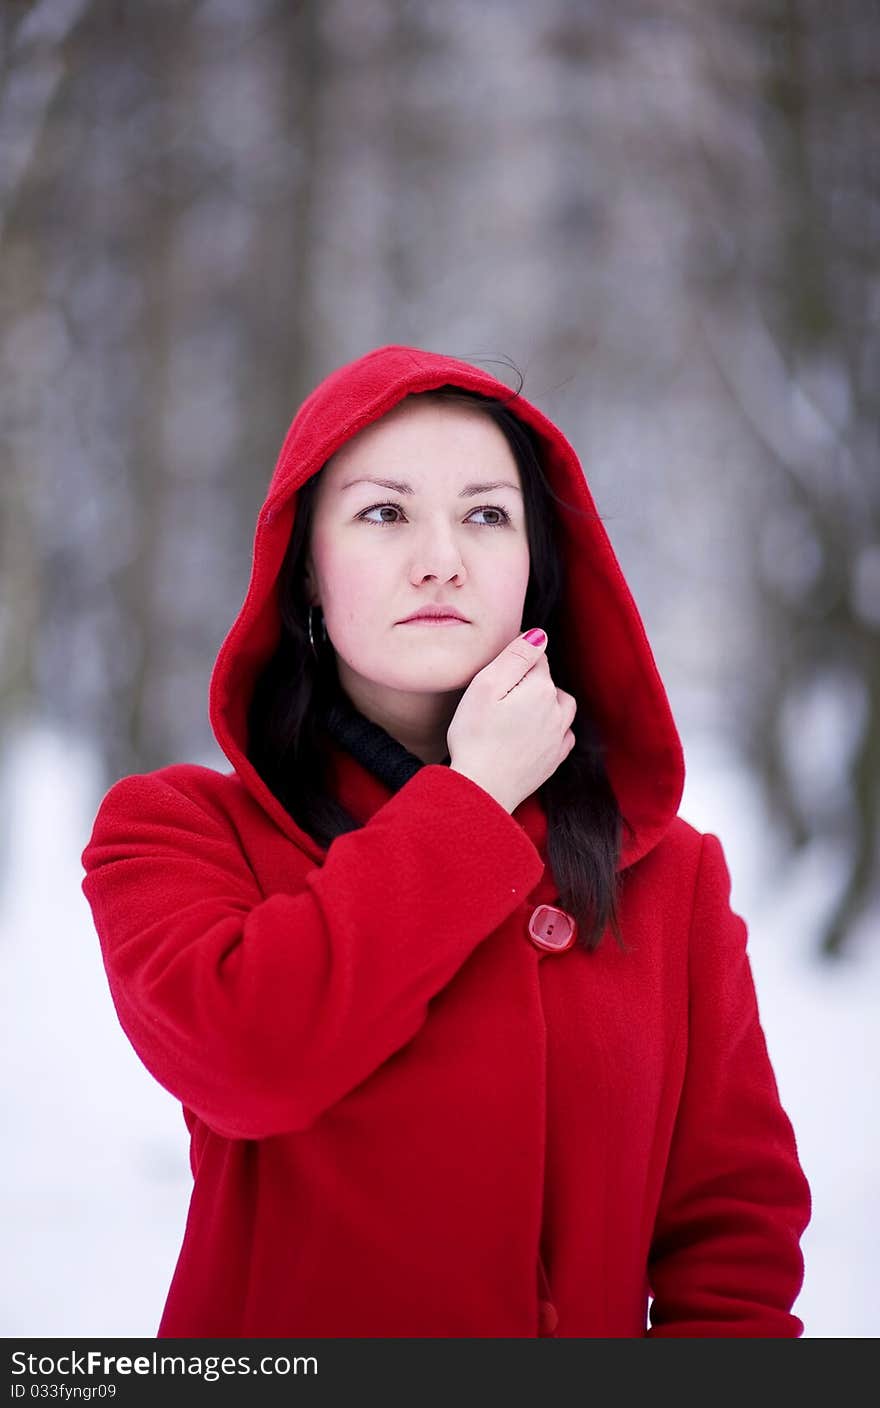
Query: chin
x=422, y=676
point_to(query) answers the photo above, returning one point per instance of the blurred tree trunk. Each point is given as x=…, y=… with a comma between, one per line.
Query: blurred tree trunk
x=279, y=307
x=31, y=70
x=817, y=437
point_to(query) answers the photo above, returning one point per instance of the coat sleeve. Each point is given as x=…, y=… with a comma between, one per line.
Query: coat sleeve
x=260, y=1013
x=725, y=1257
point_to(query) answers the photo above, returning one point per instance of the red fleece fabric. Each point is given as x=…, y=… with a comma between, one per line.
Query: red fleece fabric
x=407, y=1120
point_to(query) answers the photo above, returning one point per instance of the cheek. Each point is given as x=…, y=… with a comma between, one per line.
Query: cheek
x=508, y=581
x=354, y=580
x=502, y=592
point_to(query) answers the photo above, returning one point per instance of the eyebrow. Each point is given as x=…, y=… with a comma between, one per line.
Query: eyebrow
x=467, y=492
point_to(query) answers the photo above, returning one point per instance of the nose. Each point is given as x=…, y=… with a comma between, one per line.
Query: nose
x=437, y=555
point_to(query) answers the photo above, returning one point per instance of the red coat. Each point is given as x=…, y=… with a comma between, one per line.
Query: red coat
x=406, y=1118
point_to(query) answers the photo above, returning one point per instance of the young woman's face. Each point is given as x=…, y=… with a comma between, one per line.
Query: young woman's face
x=379, y=553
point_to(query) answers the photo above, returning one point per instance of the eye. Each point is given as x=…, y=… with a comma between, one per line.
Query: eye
x=501, y=522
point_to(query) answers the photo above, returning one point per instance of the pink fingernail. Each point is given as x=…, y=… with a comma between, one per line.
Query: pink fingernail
x=535, y=637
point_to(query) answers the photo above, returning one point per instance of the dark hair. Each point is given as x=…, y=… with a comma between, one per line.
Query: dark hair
x=295, y=689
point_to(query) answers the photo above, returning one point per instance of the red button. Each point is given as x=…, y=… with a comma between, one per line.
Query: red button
x=552, y=929
x=548, y=1317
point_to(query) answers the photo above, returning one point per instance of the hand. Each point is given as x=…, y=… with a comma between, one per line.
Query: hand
x=512, y=727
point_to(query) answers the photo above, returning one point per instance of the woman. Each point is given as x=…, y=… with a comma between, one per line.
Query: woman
x=458, y=1012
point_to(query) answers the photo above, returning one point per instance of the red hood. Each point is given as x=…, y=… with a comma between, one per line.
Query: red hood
x=611, y=663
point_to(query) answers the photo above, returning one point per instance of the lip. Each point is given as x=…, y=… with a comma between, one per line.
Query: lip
x=438, y=616
x=434, y=621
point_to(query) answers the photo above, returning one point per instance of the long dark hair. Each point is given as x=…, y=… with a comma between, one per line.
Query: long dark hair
x=295, y=688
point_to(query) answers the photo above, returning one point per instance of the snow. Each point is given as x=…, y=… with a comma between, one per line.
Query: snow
x=96, y=1171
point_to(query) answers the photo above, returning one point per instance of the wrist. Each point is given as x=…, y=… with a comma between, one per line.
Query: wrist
x=495, y=793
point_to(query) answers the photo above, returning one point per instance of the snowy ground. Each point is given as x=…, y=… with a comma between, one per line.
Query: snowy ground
x=96, y=1173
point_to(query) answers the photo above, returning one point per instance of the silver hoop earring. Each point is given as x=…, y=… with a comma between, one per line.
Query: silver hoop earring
x=311, y=632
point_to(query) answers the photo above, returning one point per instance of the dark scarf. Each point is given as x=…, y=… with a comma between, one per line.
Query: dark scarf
x=372, y=746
